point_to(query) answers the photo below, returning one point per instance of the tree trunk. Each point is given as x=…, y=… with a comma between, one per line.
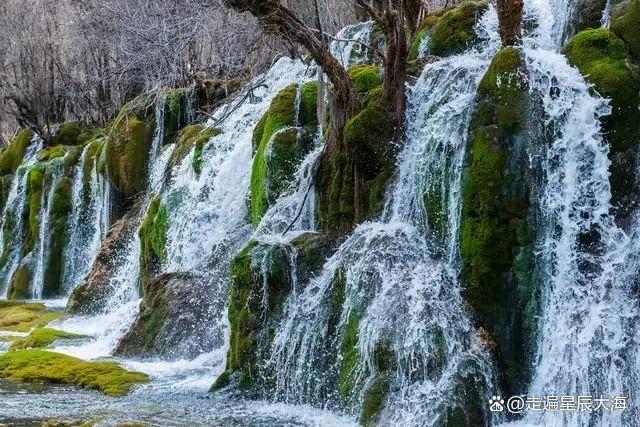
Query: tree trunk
x=510, y=16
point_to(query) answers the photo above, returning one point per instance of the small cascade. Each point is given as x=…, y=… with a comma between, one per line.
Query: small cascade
x=89, y=219
x=351, y=44
x=54, y=173
x=12, y=235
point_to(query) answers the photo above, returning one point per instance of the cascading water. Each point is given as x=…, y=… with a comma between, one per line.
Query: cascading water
x=89, y=219
x=589, y=326
x=11, y=238
x=395, y=282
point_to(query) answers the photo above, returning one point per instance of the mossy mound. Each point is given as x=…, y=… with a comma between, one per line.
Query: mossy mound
x=495, y=236
x=192, y=137
x=601, y=57
x=365, y=77
x=153, y=240
x=20, y=283
x=625, y=23
x=71, y=133
x=454, y=31
x=12, y=155
x=45, y=366
x=280, y=140
x=35, y=187
x=40, y=338
x=127, y=148
x=424, y=30
x=22, y=317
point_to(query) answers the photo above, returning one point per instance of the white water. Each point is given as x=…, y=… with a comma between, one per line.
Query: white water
x=15, y=207
x=88, y=223
x=406, y=297
x=589, y=326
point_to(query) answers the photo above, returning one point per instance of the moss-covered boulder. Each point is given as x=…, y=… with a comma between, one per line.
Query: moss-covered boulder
x=22, y=317
x=353, y=178
x=282, y=137
x=12, y=155
x=625, y=23
x=175, y=319
x=20, y=284
x=495, y=239
x=153, y=239
x=56, y=368
x=192, y=137
x=452, y=32
x=35, y=188
x=127, y=147
x=260, y=282
x=59, y=216
x=41, y=338
x=71, y=133
x=601, y=57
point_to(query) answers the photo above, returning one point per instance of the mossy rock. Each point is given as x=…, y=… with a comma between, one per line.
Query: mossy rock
x=59, y=222
x=601, y=57
x=495, y=215
x=71, y=133
x=625, y=23
x=252, y=324
x=281, y=140
x=20, y=284
x=192, y=137
x=454, y=31
x=22, y=317
x=424, y=30
x=11, y=157
x=127, y=149
x=35, y=188
x=365, y=77
x=153, y=240
x=56, y=368
x=366, y=161
x=41, y=338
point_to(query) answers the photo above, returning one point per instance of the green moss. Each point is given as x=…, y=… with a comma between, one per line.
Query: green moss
x=22, y=317
x=71, y=133
x=365, y=77
x=425, y=29
x=625, y=23
x=127, y=150
x=59, y=215
x=45, y=366
x=12, y=155
x=20, y=284
x=455, y=30
x=35, y=187
x=281, y=145
x=174, y=114
x=192, y=137
x=494, y=212
x=153, y=240
x=257, y=269
x=601, y=57
x=40, y=338
x=5, y=189
x=350, y=355
x=366, y=161
x=373, y=399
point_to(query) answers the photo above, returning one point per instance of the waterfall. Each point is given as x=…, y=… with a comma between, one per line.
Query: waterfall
x=589, y=325
x=89, y=219
x=12, y=226
x=53, y=174
x=396, y=284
